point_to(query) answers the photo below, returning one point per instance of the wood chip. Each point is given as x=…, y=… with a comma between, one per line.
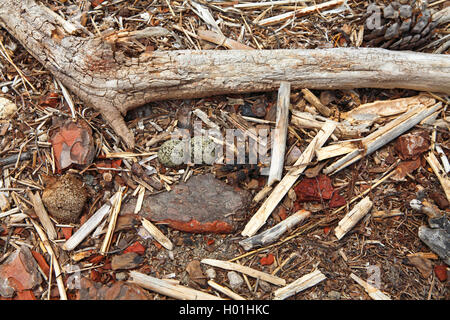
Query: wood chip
x=245, y=270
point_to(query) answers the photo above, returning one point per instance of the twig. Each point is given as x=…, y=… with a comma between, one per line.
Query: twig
x=89, y=225
x=281, y=128
x=278, y=193
x=305, y=282
x=169, y=288
x=225, y=291
x=245, y=270
x=56, y=267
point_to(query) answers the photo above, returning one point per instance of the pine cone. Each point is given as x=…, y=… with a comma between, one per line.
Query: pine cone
x=403, y=25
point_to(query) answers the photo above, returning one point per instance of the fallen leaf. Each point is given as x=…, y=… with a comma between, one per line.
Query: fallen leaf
x=195, y=273
x=422, y=264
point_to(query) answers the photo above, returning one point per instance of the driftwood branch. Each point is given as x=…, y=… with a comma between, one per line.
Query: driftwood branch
x=113, y=83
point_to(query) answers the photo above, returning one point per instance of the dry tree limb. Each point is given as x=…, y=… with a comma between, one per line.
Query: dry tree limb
x=113, y=83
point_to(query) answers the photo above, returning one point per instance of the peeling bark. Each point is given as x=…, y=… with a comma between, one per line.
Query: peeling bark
x=112, y=83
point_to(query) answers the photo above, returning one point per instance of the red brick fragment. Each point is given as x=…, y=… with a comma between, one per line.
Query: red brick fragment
x=410, y=145
x=19, y=272
x=41, y=262
x=314, y=189
x=441, y=272
x=135, y=247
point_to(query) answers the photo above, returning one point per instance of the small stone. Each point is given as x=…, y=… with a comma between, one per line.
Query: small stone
x=7, y=108
x=65, y=198
x=265, y=286
x=211, y=273
x=334, y=295
x=4, y=203
x=235, y=280
x=121, y=276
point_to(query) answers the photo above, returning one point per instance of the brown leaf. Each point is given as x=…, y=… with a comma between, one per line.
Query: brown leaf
x=195, y=273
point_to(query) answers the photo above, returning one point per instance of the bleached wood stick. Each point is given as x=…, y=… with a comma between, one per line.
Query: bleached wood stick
x=221, y=40
x=373, y=292
x=157, y=234
x=278, y=193
x=305, y=282
x=262, y=193
x=272, y=234
x=335, y=150
x=168, y=288
x=204, y=117
x=440, y=173
x=352, y=218
x=444, y=158
x=265, y=4
x=225, y=291
x=42, y=214
x=300, y=12
x=315, y=102
x=245, y=270
x=89, y=225
x=384, y=135
x=280, y=136
x=112, y=222
x=56, y=267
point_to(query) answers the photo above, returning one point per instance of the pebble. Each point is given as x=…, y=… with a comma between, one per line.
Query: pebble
x=211, y=273
x=121, y=276
x=7, y=108
x=235, y=280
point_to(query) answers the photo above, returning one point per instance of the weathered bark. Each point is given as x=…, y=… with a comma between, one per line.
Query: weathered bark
x=113, y=83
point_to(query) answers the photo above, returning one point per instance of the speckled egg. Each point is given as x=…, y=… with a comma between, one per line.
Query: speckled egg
x=203, y=150
x=171, y=153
